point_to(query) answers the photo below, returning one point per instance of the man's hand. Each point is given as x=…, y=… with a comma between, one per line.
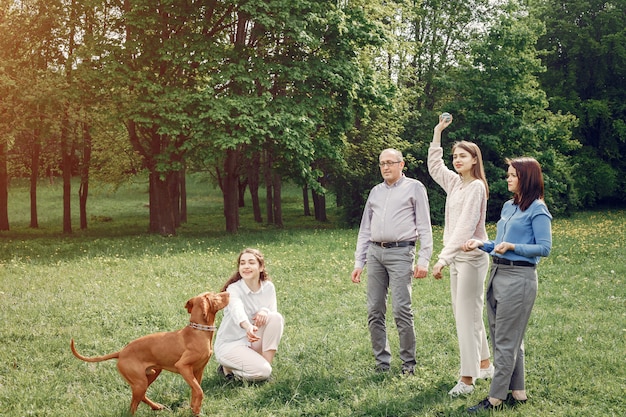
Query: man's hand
x=356, y=275
x=420, y=271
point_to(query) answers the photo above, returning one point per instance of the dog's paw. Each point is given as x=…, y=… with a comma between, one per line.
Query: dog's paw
x=157, y=406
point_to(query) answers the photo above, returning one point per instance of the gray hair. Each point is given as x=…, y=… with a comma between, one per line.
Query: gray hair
x=396, y=152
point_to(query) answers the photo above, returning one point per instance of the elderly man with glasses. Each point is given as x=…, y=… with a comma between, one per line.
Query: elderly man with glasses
x=396, y=218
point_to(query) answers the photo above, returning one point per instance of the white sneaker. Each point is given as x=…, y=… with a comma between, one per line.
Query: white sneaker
x=461, y=388
x=487, y=373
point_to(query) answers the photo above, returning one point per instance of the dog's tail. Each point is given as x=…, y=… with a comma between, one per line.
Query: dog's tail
x=95, y=358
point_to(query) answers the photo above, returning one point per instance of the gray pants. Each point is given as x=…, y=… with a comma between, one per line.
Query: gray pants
x=511, y=294
x=390, y=268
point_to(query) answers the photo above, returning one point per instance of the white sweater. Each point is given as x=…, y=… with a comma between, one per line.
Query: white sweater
x=466, y=207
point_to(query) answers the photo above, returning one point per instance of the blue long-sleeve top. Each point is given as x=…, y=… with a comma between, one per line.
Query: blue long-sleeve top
x=529, y=230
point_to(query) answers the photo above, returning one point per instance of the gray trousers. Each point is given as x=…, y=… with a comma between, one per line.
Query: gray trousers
x=511, y=294
x=390, y=269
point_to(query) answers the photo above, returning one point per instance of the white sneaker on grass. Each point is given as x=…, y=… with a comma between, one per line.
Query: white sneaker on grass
x=461, y=388
x=487, y=373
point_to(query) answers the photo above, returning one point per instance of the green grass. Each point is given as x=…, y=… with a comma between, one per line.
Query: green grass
x=113, y=283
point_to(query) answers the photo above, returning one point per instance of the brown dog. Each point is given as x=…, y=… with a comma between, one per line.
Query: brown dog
x=185, y=352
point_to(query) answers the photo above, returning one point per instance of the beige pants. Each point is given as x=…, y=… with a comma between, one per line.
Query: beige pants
x=246, y=361
x=467, y=285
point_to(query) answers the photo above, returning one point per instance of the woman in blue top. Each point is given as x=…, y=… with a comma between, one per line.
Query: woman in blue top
x=523, y=235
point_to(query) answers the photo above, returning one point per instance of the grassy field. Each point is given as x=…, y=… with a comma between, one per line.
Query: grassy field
x=113, y=283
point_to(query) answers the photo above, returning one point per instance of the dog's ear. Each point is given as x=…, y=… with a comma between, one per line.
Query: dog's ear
x=189, y=306
x=221, y=300
x=207, y=305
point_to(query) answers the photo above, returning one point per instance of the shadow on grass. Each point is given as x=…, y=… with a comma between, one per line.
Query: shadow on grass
x=316, y=395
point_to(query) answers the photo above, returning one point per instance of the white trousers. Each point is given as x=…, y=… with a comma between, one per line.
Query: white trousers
x=245, y=359
x=467, y=286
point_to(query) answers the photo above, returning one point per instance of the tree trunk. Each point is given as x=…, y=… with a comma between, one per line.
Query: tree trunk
x=83, y=191
x=305, y=200
x=174, y=195
x=66, y=168
x=269, y=197
x=278, y=208
x=319, y=206
x=34, y=176
x=241, y=189
x=4, y=186
x=161, y=211
x=183, y=194
x=253, y=184
x=315, y=198
x=230, y=191
x=67, y=142
x=163, y=205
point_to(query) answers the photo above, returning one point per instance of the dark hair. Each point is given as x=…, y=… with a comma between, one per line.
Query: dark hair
x=478, y=170
x=529, y=181
x=263, y=276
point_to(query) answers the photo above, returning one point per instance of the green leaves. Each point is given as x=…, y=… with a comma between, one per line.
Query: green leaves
x=586, y=60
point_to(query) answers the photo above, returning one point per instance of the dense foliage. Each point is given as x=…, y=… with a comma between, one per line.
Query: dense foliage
x=585, y=59
x=253, y=93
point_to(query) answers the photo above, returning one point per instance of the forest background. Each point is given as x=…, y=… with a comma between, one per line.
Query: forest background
x=251, y=94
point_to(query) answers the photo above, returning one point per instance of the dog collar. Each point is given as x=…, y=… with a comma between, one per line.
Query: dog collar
x=203, y=327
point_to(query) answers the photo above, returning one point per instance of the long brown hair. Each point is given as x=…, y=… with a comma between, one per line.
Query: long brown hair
x=263, y=276
x=478, y=170
x=529, y=181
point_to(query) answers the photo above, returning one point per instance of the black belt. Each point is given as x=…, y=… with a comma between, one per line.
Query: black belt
x=387, y=245
x=502, y=261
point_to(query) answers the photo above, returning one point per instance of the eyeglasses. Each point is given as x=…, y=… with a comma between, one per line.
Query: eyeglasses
x=388, y=163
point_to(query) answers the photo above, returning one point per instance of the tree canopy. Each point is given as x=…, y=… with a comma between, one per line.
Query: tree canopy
x=257, y=92
x=585, y=58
